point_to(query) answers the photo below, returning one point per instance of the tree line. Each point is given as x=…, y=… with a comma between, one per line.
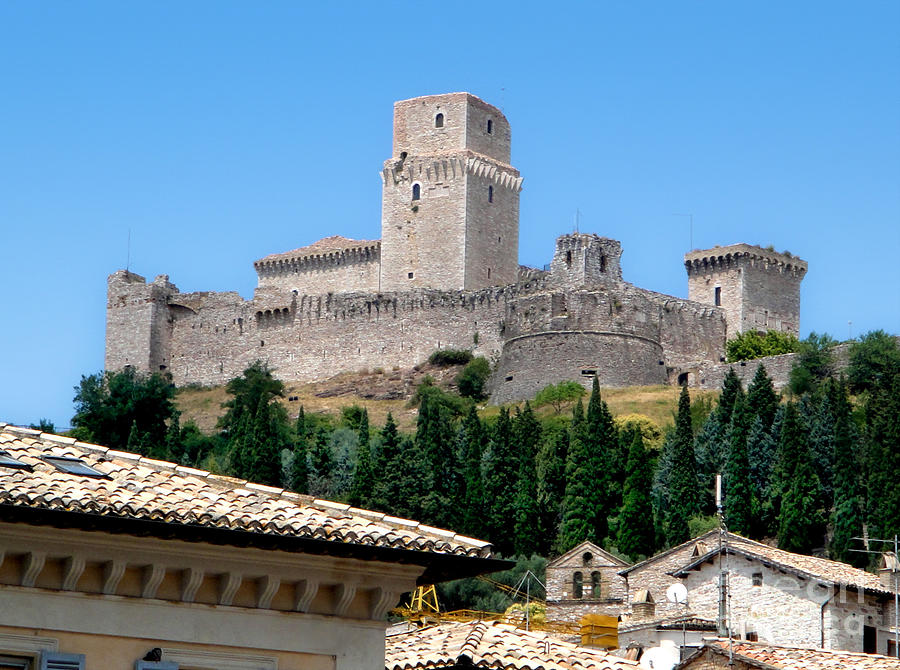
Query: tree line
x=810, y=468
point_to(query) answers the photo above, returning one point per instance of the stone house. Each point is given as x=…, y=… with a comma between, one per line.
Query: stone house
x=741, y=655
x=113, y=560
x=585, y=580
x=774, y=595
x=482, y=644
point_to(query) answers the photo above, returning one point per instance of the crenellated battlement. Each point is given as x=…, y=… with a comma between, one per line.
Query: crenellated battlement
x=445, y=168
x=719, y=259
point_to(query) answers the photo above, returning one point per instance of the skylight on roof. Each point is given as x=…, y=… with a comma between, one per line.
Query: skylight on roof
x=7, y=461
x=74, y=466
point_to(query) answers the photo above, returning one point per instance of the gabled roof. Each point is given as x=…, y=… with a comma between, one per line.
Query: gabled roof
x=138, y=495
x=821, y=569
x=325, y=246
x=687, y=622
x=589, y=547
x=777, y=657
x=493, y=645
x=704, y=540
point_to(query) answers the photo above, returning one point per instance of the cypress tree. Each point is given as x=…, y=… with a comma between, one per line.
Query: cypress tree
x=762, y=401
x=847, y=518
x=683, y=495
x=551, y=487
x=435, y=439
x=388, y=457
x=500, y=483
x=710, y=447
x=761, y=452
x=321, y=462
x=527, y=436
x=264, y=465
x=636, y=533
x=362, y=488
x=578, y=513
x=474, y=439
x=884, y=449
x=601, y=444
x=299, y=475
x=800, y=515
x=731, y=387
x=738, y=498
x=816, y=410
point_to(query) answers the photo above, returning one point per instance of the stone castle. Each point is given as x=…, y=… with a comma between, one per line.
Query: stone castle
x=445, y=274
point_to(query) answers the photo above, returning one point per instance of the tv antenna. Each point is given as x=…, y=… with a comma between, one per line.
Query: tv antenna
x=128, y=252
x=894, y=568
x=691, y=217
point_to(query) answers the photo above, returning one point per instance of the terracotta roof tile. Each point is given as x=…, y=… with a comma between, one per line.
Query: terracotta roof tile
x=327, y=245
x=799, y=658
x=142, y=488
x=493, y=645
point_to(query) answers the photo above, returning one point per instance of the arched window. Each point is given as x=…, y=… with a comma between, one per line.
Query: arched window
x=490, y=194
x=417, y=192
x=595, y=584
x=577, y=585
x=439, y=121
x=586, y=558
x=490, y=127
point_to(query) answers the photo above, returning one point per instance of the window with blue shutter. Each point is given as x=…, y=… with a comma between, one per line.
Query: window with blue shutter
x=54, y=660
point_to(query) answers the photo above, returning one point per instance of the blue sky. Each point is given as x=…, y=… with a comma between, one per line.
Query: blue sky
x=219, y=132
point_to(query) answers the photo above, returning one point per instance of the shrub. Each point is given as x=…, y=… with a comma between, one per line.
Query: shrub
x=753, y=344
x=557, y=394
x=447, y=357
x=472, y=379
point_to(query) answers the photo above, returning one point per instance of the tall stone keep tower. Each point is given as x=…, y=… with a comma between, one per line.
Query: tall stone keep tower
x=450, y=206
x=759, y=289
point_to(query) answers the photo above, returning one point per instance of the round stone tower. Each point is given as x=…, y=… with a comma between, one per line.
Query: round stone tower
x=450, y=206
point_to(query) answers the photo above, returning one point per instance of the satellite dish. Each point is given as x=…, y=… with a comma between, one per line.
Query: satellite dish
x=677, y=593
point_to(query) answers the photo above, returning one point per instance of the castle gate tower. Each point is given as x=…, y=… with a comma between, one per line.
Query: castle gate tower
x=759, y=289
x=450, y=205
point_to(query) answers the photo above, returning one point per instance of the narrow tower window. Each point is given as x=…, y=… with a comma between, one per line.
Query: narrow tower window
x=490, y=194
x=595, y=584
x=718, y=296
x=417, y=192
x=439, y=121
x=490, y=127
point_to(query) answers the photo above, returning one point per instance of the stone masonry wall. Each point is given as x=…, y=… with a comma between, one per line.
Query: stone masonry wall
x=492, y=230
x=338, y=272
x=136, y=327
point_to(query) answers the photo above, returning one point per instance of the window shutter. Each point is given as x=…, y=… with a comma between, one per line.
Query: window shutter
x=155, y=665
x=53, y=660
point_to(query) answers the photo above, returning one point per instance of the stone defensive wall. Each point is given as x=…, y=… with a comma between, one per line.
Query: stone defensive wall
x=332, y=265
x=710, y=376
x=624, y=335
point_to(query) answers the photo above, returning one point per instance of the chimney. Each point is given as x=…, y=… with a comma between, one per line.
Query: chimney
x=643, y=607
x=888, y=569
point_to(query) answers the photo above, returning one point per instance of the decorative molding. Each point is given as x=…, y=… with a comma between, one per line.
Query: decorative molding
x=266, y=588
x=153, y=576
x=343, y=596
x=382, y=600
x=72, y=571
x=305, y=592
x=112, y=575
x=190, y=582
x=216, y=660
x=229, y=583
x=34, y=563
x=27, y=643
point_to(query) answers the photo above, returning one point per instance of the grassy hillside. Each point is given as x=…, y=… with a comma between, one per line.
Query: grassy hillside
x=381, y=392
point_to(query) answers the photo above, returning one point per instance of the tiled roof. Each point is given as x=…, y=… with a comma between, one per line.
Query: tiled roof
x=493, y=645
x=139, y=488
x=327, y=245
x=822, y=569
x=772, y=657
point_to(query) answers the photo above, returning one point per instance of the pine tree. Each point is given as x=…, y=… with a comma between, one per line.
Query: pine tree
x=762, y=401
x=500, y=484
x=636, y=533
x=474, y=441
x=683, y=494
x=738, y=494
x=527, y=436
x=578, y=513
x=847, y=517
x=602, y=438
x=800, y=522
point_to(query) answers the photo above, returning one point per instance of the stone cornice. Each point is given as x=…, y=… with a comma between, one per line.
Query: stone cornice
x=448, y=167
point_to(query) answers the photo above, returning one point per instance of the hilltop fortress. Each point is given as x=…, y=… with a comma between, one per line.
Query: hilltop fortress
x=445, y=274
